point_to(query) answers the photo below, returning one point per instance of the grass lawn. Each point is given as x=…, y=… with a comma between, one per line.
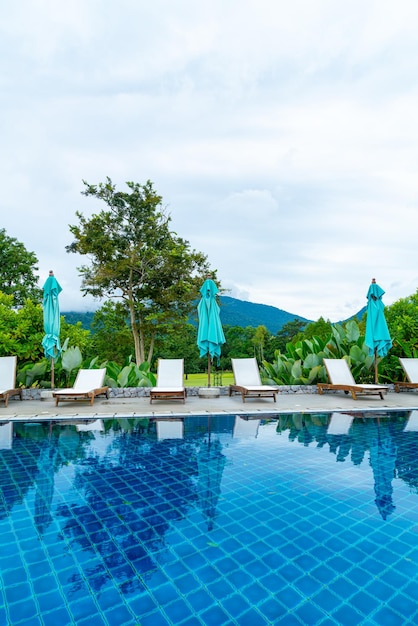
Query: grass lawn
x=201, y=380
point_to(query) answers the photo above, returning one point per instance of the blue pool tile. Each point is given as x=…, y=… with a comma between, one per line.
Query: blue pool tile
x=119, y=615
x=403, y=605
x=220, y=588
x=290, y=597
x=308, y=613
x=18, y=593
x=323, y=573
x=15, y=576
x=22, y=611
x=387, y=616
x=253, y=618
x=235, y=605
x=346, y=615
x=99, y=620
x=343, y=587
x=259, y=590
x=288, y=620
x=208, y=573
x=272, y=610
x=178, y=610
x=215, y=616
x=82, y=608
x=326, y=600
x=378, y=589
x=307, y=585
x=364, y=602
x=200, y=600
x=166, y=594
x=191, y=621
x=155, y=619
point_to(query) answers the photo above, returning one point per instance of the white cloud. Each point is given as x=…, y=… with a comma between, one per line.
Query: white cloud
x=282, y=136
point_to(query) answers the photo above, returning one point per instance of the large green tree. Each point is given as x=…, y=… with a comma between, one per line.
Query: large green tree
x=136, y=258
x=17, y=270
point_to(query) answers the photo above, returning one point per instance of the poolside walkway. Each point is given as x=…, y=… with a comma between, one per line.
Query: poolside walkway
x=140, y=407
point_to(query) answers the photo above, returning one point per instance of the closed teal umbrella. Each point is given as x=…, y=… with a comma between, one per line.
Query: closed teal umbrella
x=377, y=333
x=52, y=321
x=210, y=336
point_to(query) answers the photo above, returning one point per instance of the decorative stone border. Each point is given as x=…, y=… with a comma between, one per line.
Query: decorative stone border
x=141, y=392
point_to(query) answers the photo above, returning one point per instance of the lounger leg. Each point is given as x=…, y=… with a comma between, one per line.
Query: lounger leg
x=353, y=394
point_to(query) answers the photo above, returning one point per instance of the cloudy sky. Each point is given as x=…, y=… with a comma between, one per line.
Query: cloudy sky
x=282, y=136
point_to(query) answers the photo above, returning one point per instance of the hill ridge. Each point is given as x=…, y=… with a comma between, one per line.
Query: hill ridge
x=234, y=312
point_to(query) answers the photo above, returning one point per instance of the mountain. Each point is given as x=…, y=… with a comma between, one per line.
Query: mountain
x=234, y=312
x=241, y=313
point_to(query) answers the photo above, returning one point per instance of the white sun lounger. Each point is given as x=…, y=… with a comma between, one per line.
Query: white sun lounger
x=341, y=379
x=88, y=384
x=410, y=367
x=8, y=378
x=248, y=382
x=170, y=381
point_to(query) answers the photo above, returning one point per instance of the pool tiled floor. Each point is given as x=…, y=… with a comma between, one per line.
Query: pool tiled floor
x=237, y=521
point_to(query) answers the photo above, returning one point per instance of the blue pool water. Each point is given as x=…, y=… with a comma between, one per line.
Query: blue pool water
x=304, y=519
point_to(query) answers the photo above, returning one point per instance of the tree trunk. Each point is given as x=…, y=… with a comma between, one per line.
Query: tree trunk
x=139, y=357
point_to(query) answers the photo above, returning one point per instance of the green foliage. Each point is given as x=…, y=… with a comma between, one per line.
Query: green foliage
x=111, y=337
x=71, y=360
x=137, y=258
x=21, y=330
x=129, y=375
x=320, y=328
x=238, y=344
x=18, y=269
x=179, y=341
x=303, y=362
x=288, y=332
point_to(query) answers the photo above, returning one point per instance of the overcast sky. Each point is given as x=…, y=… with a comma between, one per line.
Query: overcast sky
x=282, y=136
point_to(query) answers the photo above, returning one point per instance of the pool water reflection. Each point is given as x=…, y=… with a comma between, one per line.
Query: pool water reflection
x=303, y=519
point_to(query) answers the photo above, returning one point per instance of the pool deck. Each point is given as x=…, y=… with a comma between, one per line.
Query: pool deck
x=140, y=407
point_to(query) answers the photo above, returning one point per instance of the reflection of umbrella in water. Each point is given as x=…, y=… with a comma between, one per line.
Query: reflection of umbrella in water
x=210, y=462
x=210, y=336
x=51, y=342
x=45, y=486
x=377, y=337
x=383, y=459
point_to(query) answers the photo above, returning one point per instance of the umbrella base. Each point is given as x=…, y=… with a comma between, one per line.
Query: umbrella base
x=209, y=392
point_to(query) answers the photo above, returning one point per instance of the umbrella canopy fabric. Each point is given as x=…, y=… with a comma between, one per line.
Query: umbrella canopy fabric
x=51, y=342
x=377, y=333
x=210, y=335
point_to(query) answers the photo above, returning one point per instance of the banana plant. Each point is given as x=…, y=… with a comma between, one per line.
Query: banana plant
x=303, y=362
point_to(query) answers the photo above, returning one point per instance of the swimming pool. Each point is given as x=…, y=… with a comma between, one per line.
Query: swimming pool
x=304, y=519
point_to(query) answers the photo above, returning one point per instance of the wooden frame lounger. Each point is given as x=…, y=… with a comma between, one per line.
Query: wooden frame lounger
x=248, y=382
x=8, y=379
x=170, y=381
x=341, y=379
x=410, y=367
x=88, y=384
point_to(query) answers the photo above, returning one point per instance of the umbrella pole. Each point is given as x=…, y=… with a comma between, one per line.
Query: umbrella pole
x=208, y=369
x=376, y=379
x=52, y=374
